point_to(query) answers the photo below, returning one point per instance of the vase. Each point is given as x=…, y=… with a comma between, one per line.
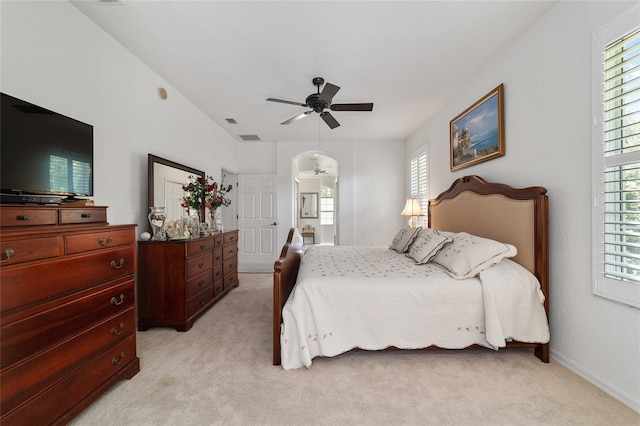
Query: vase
x=215, y=221
x=157, y=217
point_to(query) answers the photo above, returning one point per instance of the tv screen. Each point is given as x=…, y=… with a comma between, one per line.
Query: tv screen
x=43, y=152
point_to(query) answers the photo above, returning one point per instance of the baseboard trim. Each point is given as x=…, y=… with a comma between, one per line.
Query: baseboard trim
x=597, y=381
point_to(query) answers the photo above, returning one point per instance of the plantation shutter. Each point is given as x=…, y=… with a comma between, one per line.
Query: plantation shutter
x=419, y=181
x=617, y=269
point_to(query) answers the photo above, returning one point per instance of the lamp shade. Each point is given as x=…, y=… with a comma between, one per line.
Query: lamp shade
x=412, y=208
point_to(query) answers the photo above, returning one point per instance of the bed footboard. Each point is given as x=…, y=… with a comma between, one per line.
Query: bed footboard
x=285, y=273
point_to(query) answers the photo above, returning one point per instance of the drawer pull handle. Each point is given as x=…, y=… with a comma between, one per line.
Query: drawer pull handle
x=115, y=302
x=105, y=243
x=85, y=215
x=118, y=360
x=201, y=265
x=201, y=283
x=114, y=265
x=203, y=246
x=23, y=217
x=8, y=254
x=117, y=332
x=202, y=301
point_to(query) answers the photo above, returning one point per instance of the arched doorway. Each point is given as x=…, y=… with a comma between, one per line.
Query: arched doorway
x=316, y=195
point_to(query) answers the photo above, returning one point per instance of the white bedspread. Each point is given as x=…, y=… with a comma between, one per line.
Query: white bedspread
x=373, y=298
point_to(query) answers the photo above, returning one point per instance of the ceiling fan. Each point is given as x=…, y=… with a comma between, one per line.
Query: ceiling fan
x=319, y=101
x=318, y=171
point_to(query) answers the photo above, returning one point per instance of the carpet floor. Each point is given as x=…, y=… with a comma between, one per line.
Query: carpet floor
x=220, y=373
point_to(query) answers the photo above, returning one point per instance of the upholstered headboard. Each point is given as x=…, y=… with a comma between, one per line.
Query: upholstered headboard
x=500, y=212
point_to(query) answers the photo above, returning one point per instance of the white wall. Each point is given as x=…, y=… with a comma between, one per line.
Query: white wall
x=547, y=79
x=370, y=188
x=55, y=57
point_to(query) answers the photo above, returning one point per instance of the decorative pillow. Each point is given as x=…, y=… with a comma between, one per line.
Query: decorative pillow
x=468, y=255
x=403, y=239
x=427, y=244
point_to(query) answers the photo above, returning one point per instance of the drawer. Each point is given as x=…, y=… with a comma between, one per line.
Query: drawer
x=81, y=243
x=48, y=367
x=230, y=280
x=230, y=238
x=218, y=286
x=54, y=402
x=199, y=246
x=218, y=240
x=229, y=266
x=229, y=252
x=199, y=301
x=24, y=216
x=217, y=257
x=199, y=265
x=70, y=215
x=217, y=273
x=40, y=329
x=23, y=285
x=18, y=251
x=199, y=283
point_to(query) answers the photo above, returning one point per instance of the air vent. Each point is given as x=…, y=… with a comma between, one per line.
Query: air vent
x=231, y=121
x=250, y=137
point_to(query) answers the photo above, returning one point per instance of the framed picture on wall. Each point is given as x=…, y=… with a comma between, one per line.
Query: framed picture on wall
x=477, y=134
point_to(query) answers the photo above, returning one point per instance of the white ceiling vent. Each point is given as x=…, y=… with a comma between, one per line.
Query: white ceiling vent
x=250, y=137
x=111, y=2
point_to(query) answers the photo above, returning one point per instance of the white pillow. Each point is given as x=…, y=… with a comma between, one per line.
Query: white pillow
x=468, y=255
x=426, y=245
x=403, y=239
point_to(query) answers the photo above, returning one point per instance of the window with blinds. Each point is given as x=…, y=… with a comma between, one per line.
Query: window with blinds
x=617, y=162
x=66, y=175
x=419, y=182
x=327, y=205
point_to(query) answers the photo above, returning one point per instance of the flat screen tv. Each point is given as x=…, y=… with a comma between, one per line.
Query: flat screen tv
x=43, y=152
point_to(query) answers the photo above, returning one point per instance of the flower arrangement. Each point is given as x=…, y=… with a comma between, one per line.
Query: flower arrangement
x=204, y=192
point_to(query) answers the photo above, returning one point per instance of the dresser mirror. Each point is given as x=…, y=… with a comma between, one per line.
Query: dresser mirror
x=166, y=179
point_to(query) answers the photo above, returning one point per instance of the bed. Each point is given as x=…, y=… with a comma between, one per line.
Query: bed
x=326, y=301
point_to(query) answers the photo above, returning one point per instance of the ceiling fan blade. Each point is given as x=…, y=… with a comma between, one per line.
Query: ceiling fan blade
x=328, y=92
x=297, y=117
x=328, y=118
x=286, y=102
x=352, y=107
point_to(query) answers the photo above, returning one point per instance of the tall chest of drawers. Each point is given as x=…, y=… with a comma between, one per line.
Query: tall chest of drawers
x=178, y=281
x=67, y=305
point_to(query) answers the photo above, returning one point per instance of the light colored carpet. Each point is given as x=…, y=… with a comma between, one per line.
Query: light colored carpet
x=220, y=373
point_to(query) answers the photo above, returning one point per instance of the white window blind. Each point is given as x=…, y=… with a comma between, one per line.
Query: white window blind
x=419, y=181
x=617, y=161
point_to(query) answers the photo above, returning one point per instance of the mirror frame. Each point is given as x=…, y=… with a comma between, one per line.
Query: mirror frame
x=312, y=214
x=153, y=160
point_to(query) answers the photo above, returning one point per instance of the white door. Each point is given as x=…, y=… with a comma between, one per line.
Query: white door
x=257, y=222
x=173, y=196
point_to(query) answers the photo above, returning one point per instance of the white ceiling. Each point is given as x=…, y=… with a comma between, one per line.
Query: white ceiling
x=227, y=57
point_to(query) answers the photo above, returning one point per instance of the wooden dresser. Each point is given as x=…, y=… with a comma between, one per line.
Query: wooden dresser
x=67, y=305
x=179, y=280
